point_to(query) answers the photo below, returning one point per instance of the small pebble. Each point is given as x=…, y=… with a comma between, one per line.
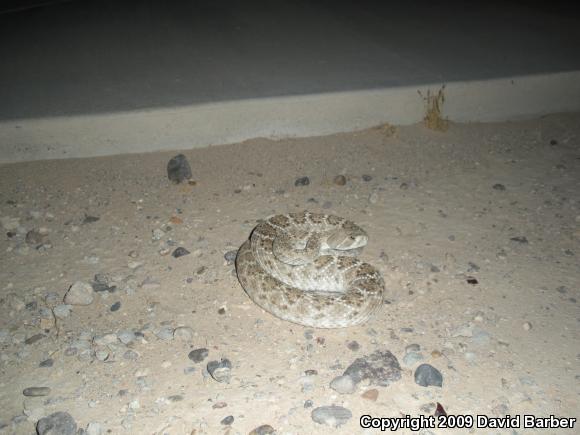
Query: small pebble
x=46, y=363
x=527, y=326
x=178, y=169
x=164, y=333
x=180, y=252
x=101, y=284
x=175, y=398
x=343, y=385
x=353, y=345
x=499, y=186
x=426, y=375
x=230, y=257
x=198, y=355
x=34, y=338
x=90, y=219
x=371, y=395
x=340, y=180
x=36, y=391
x=265, y=429
x=302, y=181
x=331, y=415
x=367, y=178
x=520, y=239
x=115, y=306
x=227, y=421
x=220, y=370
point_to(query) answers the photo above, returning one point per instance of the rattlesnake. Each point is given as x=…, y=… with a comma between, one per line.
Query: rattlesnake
x=301, y=267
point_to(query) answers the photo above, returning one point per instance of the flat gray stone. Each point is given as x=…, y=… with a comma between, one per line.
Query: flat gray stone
x=331, y=415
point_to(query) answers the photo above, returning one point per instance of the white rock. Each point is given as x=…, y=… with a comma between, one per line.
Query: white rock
x=343, y=385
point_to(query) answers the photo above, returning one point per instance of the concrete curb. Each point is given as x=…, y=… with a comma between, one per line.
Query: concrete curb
x=308, y=115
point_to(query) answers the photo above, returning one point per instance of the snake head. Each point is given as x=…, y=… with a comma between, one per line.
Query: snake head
x=347, y=237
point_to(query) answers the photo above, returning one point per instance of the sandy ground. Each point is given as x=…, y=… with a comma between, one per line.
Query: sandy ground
x=476, y=231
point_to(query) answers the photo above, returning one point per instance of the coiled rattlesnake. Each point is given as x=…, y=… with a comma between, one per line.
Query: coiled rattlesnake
x=301, y=267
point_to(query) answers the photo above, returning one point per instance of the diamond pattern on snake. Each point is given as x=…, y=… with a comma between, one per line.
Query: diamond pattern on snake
x=303, y=268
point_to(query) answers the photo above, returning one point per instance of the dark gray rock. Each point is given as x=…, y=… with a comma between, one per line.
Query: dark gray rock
x=59, y=423
x=379, y=368
x=227, y=421
x=101, y=284
x=46, y=363
x=89, y=219
x=220, y=370
x=353, y=345
x=180, y=252
x=198, y=355
x=302, y=181
x=426, y=375
x=36, y=391
x=178, y=169
x=33, y=339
